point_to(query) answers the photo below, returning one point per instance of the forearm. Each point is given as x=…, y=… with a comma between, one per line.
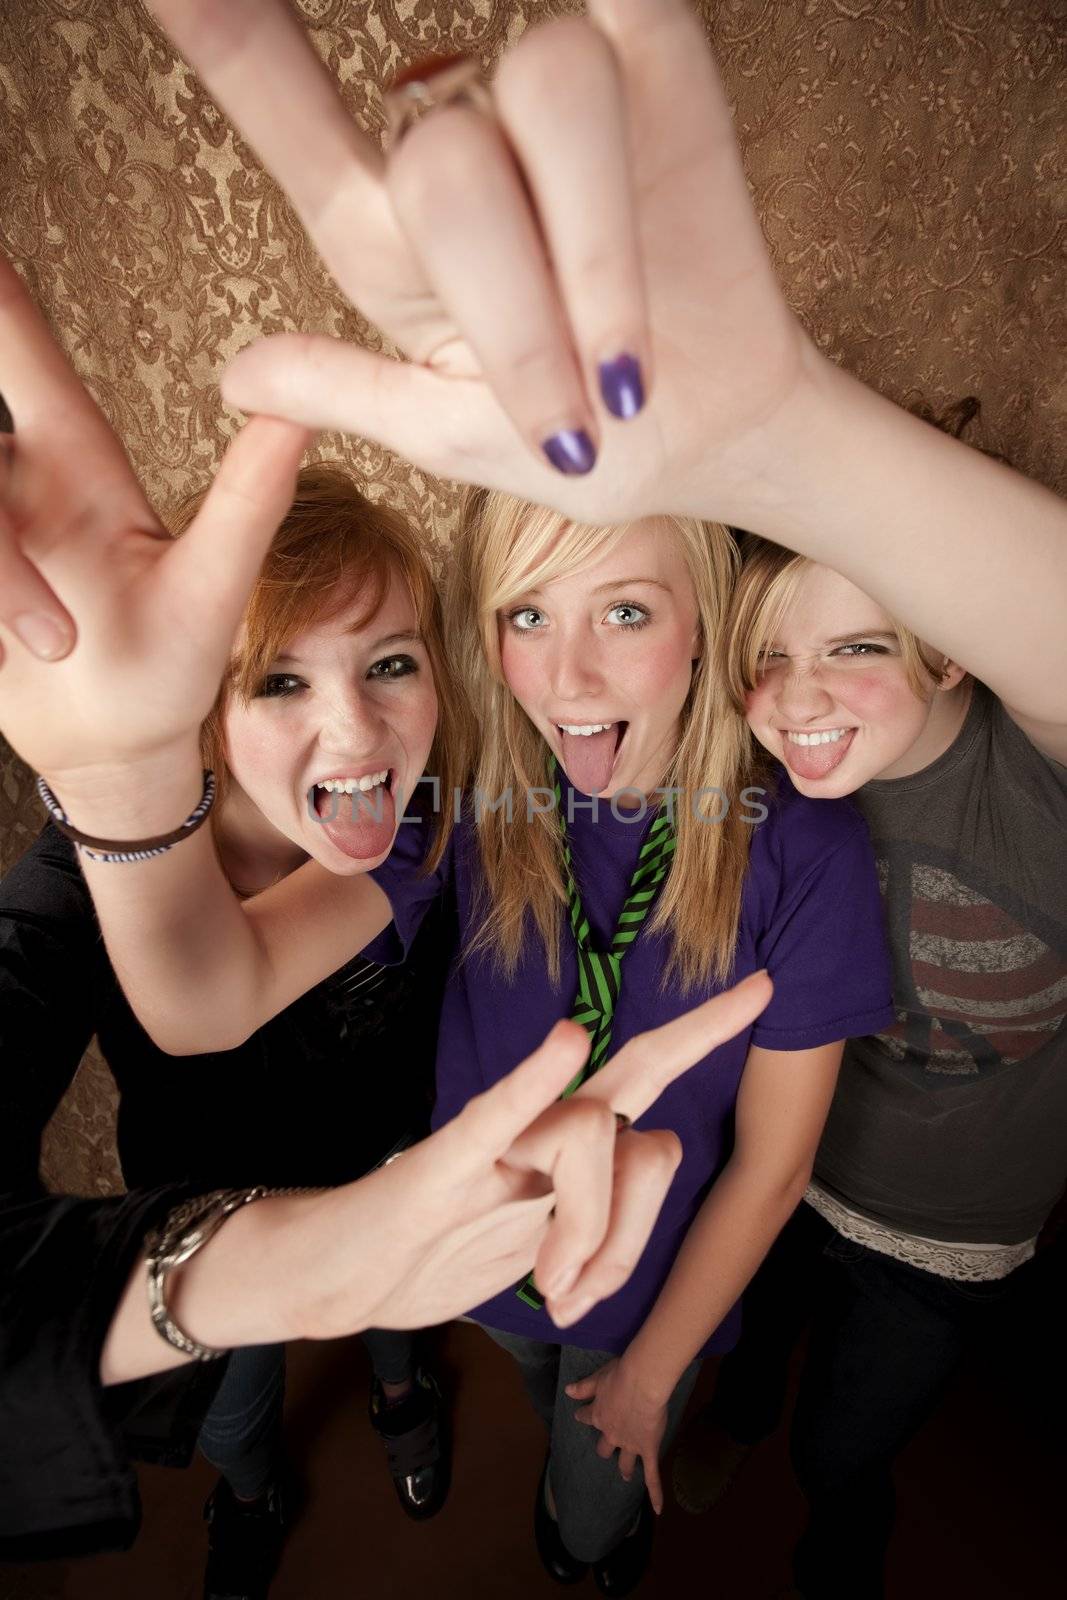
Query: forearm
x=967, y=553
x=173, y=927
x=735, y=1227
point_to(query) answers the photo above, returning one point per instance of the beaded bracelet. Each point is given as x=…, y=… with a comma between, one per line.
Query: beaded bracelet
x=134, y=849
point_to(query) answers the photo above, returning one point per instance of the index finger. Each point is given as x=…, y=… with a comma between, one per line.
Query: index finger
x=638, y=1074
x=257, y=61
x=490, y=1124
x=39, y=385
x=653, y=1482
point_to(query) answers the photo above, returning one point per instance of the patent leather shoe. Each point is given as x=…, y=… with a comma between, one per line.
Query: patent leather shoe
x=416, y=1444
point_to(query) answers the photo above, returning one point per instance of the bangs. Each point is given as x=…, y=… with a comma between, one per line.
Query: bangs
x=763, y=596
x=540, y=546
x=303, y=588
x=769, y=613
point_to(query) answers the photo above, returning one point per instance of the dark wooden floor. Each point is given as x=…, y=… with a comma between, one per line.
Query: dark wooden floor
x=981, y=1499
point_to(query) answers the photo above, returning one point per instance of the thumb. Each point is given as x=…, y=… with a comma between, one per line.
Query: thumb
x=216, y=561
x=452, y=427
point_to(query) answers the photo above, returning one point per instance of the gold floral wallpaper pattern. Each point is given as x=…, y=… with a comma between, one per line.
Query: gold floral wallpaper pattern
x=907, y=156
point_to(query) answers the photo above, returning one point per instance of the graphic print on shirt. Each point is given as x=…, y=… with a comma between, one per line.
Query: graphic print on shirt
x=986, y=983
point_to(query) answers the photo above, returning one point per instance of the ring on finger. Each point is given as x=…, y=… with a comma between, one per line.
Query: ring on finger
x=427, y=85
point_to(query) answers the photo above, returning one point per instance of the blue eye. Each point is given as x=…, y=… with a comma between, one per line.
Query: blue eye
x=393, y=667
x=521, y=619
x=629, y=615
x=278, y=685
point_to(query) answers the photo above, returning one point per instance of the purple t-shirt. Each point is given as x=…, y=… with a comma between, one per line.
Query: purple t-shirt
x=811, y=915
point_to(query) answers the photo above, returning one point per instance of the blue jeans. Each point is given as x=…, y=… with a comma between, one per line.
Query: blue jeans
x=241, y=1434
x=886, y=1338
x=594, y=1505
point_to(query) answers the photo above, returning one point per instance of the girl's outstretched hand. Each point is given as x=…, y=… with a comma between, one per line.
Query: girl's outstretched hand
x=522, y=1179
x=542, y=268
x=154, y=619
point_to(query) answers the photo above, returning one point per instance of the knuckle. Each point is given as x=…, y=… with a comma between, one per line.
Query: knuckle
x=656, y=1156
x=591, y=1120
x=435, y=160
x=672, y=1149
x=472, y=1123
x=554, y=60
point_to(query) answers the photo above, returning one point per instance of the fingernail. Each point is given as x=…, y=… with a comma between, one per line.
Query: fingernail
x=564, y=1281
x=621, y=386
x=571, y=451
x=42, y=635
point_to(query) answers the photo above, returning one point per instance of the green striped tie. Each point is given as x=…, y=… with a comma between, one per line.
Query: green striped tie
x=600, y=972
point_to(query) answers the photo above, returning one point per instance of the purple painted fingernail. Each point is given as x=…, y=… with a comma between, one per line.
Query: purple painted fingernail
x=621, y=386
x=571, y=451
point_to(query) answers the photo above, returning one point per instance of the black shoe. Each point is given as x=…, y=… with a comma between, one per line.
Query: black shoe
x=244, y=1543
x=555, y=1557
x=621, y=1570
x=416, y=1445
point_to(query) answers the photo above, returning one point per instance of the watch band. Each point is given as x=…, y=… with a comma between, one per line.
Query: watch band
x=187, y=1230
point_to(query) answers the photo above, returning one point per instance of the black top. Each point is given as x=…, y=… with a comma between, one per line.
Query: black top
x=66, y=1484
x=318, y=1096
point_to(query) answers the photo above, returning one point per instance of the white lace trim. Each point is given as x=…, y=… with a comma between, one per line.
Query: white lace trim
x=968, y=1263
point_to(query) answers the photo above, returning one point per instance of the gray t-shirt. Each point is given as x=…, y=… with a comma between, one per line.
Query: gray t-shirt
x=953, y=1123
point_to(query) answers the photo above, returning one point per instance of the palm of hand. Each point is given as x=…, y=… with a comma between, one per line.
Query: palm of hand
x=725, y=352
x=80, y=517
x=155, y=618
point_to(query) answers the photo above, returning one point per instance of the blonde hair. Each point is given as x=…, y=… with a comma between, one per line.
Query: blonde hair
x=332, y=546
x=504, y=548
x=763, y=595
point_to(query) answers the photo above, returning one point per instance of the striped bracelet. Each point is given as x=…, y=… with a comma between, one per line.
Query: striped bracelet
x=133, y=849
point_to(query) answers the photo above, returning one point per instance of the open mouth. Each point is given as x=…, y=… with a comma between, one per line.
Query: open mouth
x=370, y=788
x=591, y=752
x=357, y=814
x=816, y=754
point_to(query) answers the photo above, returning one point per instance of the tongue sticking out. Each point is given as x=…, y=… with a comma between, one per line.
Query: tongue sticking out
x=816, y=760
x=589, y=758
x=360, y=824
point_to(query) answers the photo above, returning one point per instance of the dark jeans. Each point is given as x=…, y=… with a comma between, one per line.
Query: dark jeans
x=241, y=1434
x=594, y=1504
x=885, y=1340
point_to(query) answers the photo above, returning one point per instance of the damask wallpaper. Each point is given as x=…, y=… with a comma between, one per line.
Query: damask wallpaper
x=908, y=158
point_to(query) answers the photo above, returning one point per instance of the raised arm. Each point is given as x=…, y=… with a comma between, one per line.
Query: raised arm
x=745, y=421
x=967, y=553
x=113, y=728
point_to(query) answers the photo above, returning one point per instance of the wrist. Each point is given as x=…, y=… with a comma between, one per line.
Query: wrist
x=832, y=449
x=772, y=465
x=135, y=798
x=647, y=1374
x=241, y=1287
